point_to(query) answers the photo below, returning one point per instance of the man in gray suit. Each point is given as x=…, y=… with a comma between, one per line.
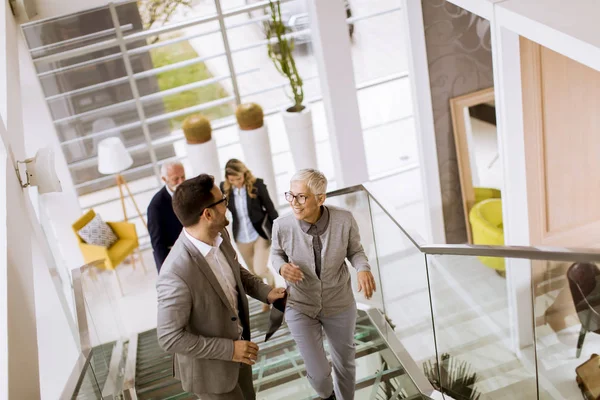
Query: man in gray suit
x=202, y=307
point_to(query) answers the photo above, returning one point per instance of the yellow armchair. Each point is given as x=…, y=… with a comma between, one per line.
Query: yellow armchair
x=486, y=224
x=484, y=193
x=115, y=254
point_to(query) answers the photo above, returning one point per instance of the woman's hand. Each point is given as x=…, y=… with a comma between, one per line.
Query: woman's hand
x=366, y=282
x=291, y=273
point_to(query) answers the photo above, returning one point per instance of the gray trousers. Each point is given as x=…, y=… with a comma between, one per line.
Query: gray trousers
x=339, y=329
x=244, y=390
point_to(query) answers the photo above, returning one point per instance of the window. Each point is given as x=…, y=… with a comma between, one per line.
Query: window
x=206, y=58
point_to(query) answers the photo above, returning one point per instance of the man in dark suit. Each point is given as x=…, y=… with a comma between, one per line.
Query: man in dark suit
x=163, y=225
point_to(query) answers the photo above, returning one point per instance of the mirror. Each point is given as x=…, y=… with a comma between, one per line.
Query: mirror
x=476, y=140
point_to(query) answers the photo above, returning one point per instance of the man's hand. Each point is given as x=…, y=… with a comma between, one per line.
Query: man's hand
x=291, y=273
x=277, y=293
x=245, y=352
x=366, y=282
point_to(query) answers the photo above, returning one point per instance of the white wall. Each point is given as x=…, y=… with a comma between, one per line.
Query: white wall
x=24, y=300
x=511, y=146
x=61, y=209
x=3, y=276
x=57, y=352
x=423, y=111
x=21, y=333
x=57, y=8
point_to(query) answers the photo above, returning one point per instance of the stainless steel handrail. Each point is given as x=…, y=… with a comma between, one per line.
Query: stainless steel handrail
x=77, y=374
x=525, y=252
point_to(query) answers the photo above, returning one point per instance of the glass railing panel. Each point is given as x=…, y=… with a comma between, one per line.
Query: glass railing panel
x=101, y=289
x=279, y=372
x=358, y=204
x=567, y=327
x=88, y=386
x=474, y=330
x=404, y=286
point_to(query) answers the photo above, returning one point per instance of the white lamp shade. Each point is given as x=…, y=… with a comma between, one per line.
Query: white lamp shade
x=113, y=157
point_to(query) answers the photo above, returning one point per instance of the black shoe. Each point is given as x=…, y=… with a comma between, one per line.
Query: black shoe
x=332, y=397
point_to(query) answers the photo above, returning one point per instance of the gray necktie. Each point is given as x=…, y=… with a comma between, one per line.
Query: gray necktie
x=313, y=231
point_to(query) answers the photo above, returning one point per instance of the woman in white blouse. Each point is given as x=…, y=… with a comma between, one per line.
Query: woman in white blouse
x=253, y=214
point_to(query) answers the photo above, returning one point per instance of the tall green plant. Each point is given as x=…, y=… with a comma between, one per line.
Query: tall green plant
x=280, y=53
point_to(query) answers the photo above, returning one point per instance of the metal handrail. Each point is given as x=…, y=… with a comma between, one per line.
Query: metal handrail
x=524, y=252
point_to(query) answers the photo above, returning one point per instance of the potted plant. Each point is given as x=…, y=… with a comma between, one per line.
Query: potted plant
x=200, y=146
x=453, y=377
x=297, y=118
x=254, y=138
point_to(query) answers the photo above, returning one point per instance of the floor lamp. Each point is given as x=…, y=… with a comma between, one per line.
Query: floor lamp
x=113, y=158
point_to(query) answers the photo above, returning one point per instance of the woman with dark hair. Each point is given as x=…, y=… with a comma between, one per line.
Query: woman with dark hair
x=253, y=214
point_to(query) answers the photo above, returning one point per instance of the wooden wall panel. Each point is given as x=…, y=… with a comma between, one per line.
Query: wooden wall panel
x=571, y=120
x=561, y=115
x=561, y=101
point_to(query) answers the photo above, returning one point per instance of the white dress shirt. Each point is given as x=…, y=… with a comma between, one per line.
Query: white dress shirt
x=246, y=233
x=169, y=190
x=220, y=267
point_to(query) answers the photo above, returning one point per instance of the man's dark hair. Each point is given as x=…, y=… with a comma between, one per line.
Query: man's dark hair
x=191, y=198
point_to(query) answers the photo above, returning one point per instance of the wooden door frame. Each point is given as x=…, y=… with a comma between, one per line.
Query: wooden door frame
x=458, y=107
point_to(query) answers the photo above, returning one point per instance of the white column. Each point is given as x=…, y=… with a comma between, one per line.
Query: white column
x=511, y=145
x=4, y=166
x=56, y=211
x=423, y=116
x=18, y=337
x=19, y=334
x=331, y=42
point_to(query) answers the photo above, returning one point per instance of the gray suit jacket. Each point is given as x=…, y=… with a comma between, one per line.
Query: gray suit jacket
x=195, y=319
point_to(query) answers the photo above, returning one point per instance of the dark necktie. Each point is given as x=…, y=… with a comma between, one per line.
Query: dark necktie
x=316, y=241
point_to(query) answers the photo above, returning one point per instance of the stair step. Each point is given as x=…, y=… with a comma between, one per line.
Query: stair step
x=167, y=372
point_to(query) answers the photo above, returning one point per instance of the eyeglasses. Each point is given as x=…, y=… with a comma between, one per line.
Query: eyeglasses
x=300, y=198
x=224, y=199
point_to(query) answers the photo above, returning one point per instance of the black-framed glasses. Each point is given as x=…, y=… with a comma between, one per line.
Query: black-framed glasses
x=224, y=199
x=300, y=198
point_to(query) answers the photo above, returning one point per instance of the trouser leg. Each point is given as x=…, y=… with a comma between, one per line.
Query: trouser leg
x=339, y=329
x=262, y=249
x=247, y=252
x=308, y=334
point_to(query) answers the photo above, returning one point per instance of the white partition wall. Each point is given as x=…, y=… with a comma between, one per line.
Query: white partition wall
x=419, y=72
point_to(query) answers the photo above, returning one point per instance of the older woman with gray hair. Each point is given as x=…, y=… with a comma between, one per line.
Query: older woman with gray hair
x=309, y=249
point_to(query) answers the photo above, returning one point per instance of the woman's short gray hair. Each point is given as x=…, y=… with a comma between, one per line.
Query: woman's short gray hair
x=314, y=179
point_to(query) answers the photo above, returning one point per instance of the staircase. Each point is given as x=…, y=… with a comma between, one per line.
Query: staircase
x=279, y=371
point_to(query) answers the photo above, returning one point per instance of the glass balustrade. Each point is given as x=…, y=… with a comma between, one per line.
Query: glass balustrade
x=452, y=321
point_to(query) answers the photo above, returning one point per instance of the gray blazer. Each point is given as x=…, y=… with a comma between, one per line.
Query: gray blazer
x=196, y=321
x=333, y=292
